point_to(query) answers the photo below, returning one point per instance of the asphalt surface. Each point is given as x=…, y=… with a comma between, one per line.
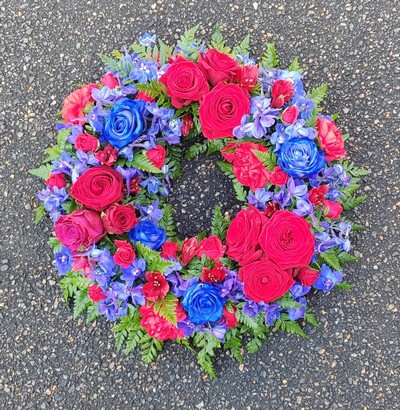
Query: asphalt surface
x=49, y=361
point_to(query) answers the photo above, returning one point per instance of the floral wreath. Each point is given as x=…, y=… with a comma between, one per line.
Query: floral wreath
x=109, y=176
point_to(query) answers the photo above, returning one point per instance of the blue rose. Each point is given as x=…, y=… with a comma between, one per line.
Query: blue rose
x=148, y=234
x=125, y=122
x=203, y=303
x=300, y=157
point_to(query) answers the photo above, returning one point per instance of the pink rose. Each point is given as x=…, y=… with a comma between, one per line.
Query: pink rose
x=289, y=116
x=278, y=177
x=335, y=209
x=212, y=247
x=109, y=80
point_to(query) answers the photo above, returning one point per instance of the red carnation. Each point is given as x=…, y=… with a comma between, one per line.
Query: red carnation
x=75, y=103
x=335, y=209
x=156, y=286
x=215, y=275
x=96, y=293
x=109, y=80
x=247, y=76
x=282, y=91
x=141, y=95
x=330, y=139
x=157, y=156
x=125, y=255
x=317, y=195
x=107, y=156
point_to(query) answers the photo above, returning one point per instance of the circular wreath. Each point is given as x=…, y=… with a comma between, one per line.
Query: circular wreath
x=109, y=175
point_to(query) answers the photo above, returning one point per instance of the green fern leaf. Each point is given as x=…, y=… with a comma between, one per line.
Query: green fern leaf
x=318, y=94
x=270, y=58
x=43, y=171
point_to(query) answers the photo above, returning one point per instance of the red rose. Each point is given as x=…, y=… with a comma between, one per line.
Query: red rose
x=212, y=247
x=247, y=76
x=289, y=116
x=278, y=177
x=75, y=103
x=214, y=275
x=217, y=67
x=118, y=219
x=98, y=187
x=156, y=286
x=187, y=124
x=282, y=91
x=271, y=208
x=264, y=281
x=107, y=156
x=169, y=250
x=287, y=240
x=109, y=80
x=230, y=317
x=222, y=109
x=157, y=156
x=184, y=81
x=79, y=228
x=317, y=195
x=125, y=254
x=248, y=169
x=335, y=209
x=86, y=142
x=159, y=327
x=141, y=95
x=243, y=234
x=189, y=249
x=96, y=293
x=57, y=180
x=305, y=275
x=330, y=139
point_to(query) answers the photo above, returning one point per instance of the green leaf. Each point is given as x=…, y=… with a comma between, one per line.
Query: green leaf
x=219, y=224
x=196, y=149
x=167, y=308
x=241, y=193
x=287, y=302
x=270, y=58
x=294, y=66
x=109, y=62
x=244, y=47
x=69, y=206
x=207, y=342
x=72, y=283
x=167, y=221
x=133, y=340
x=312, y=118
x=156, y=90
x=40, y=212
x=318, y=94
x=62, y=137
x=226, y=168
x=233, y=344
x=310, y=318
x=357, y=227
x=81, y=302
x=331, y=259
x=218, y=42
x=187, y=40
x=154, y=263
x=52, y=153
x=55, y=244
x=352, y=202
x=344, y=257
x=174, y=158
x=43, y=171
x=290, y=326
x=267, y=158
x=141, y=162
x=92, y=313
x=344, y=286
x=149, y=348
x=254, y=345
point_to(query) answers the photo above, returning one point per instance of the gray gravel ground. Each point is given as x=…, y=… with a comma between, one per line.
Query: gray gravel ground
x=48, y=361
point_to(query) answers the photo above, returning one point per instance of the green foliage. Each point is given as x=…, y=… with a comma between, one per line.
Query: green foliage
x=241, y=193
x=244, y=47
x=354, y=171
x=55, y=244
x=156, y=90
x=165, y=51
x=294, y=66
x=226, y=168
x=289, y=326
x=270, y=58
x=233, y=344
x=215, y=145
x=141, y=162
x=167, y=221
x=92, y=313
x=344, y=286
x=357, y=227
x=69, y=206
x=267, y=158
x=109, y=62
x=207, y=344
x=154, y=263
x=331, y=259
x=310, y=318
x=254, y=345
x=81, y=302
x=174, y=157
x=187, y=40
x=218, y=42
x=196, y=149
x=317, y=94
x=166, y=308
x=40, y=212
x=52, y=153
x=43, y=171
x=353, y=202
x=344, y=257
x=287, y=302
x=150, y=348
x=72, y=283
x=312, y=118
x=219, y=224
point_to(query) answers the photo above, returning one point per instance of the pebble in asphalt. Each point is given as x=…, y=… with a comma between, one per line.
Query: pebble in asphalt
x=48, y=361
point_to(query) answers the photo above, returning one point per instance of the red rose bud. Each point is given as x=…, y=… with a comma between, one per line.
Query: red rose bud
x=330, y=139
x=217, y=67
x=95, y=293
x=289, y=116
x=212, y=247
x=169, y=250
x=156, y=287
x=86, y=142
x=247, y=76
x=107, y=156
x=305, y=275
x=141, y=95
x=57, y=180
x=118, y=219
x=335, y=209
x=125, y=254
x=109, y=80
x=278, y=177
x=317, y=195
x=271, y=208
x=215, y=275
x=230, y=317
x=187, y=124
x=189, y=249
x=281, y=92
x=157, y=156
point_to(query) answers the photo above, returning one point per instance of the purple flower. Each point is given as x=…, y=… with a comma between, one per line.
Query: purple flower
x=63, y=261
x=327, y=279
x=272, y=313
x=152, y=184
x=150, y=212
x=299, y=312
x=259, y=198
x=252, y=308
x=134, y=271
x=136, y=295
x=298, y=290
x=147, y=40
x=179, y=286
x=244, y=129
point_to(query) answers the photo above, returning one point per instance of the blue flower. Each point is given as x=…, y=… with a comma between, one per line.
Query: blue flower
x=125, y=123
x=300, y=157
x=299, y=312
x=148, y=234
x=272, y=313
x=63, y=261
x=147, y=40
x=327, y=279
x=203, y=303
